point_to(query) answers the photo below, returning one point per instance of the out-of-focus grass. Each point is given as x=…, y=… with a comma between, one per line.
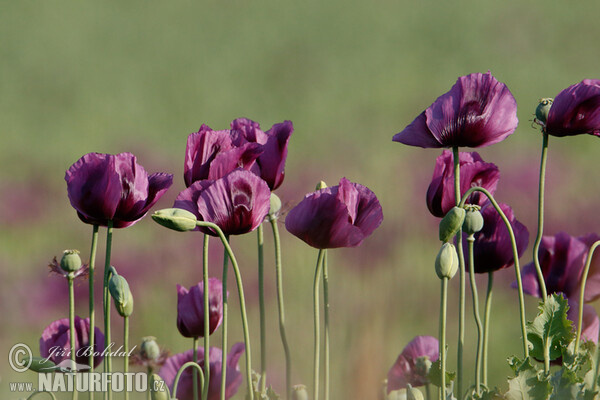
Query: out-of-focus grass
x=140, y=76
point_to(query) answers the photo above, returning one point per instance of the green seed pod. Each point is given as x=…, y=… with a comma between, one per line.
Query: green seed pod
x=446, y=262
x=158, y=388
x=177, y=219
x=299, y=392
x=275, y=205
x=39, y=364
x=451, y=223
x=149, y=348
x=473, y=220
x=413, y=393
x=119, y=290
x=542, y=110
x=70, y=261
x=321, y=185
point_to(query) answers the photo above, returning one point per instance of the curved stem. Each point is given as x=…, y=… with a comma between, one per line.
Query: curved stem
x=486, y=324
x=471, y=241
x=588, y=261
x=180, y=371
x=72, y=327
x=126, y=347
x=443, y=308
x=326, y=319
x=32, y=395
x=317, y=332
x=515, y=256
x=261, y=300
x=461, y=272
x=194, y=374
x=240, y=287
x=225, y=307
x=91, y=270
x=540, y=228
x=206, y=317
x=107, y=358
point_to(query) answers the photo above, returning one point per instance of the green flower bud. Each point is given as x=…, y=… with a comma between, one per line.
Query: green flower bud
x=149, y=348
x=299, y=392
x=413, y=393
x=446, y=263
x=275, y=205
x=119, y=290
x=321, y=185
x=542, y=110
x=451, y=223
x=70, y=261
x=39, y=364
x=399, y=394
x=473, y=219
x=158, y=388
x=177, y=219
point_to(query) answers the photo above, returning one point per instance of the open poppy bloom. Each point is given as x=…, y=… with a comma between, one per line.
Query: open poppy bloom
x=576, y=110
x=190, y=308
x=412, y=365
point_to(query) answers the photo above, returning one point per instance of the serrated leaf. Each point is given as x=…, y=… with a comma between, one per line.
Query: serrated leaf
x=551, y=328
x=566, y=385
x=581, y=362
x=435, y=375
x=489, y=394
x=527, y=385
x=268, y=394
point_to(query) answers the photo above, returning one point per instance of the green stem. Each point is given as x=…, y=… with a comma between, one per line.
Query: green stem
x=540, y=228
x=515, y=256
x=326, y=319
x=588, y=261
x=486, y=324
x=91, y=270
x=180, y=371
x=32, y=395
x=471, y=241
x=240, y=287
x=317, y=333
x=428, y=391
x=279, y=278
x=107, y=358
x=206, y=318
x=150, y=388
x=194, y=373
x=72, y=333
x=126, y=347
x=443, y=308
x=547, y=345
x=224, y=342
x=596, y=370
x=462, y=285
x=261, y=299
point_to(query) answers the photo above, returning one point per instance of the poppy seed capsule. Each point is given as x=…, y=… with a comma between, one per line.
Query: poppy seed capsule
x=446, y=262
x=119, y=290
x=451, y=223
x=158, y=388
x=473, y=220
x=70, y=261
x=542, y=110
x=299, y=392
x=149, y=348
x=177, y=219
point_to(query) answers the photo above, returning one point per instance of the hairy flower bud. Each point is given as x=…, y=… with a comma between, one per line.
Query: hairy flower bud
x=177, y=219
x=473, y=220
x=39, y=364
x=299, y=392
x=275, y=205
x=158, y=388
x=119, y=290
x=446, y=263
x=149, y=348
x=70, y=261
x=321, y=185
x=413, y=393
x=451, y=223
x=542, y=110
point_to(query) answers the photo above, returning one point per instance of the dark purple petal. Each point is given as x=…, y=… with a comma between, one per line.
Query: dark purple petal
x=190, y=308
x=590, y=324
x=244, y=130
x=418, y=134
x=272, y=161
x=237, y=157
x=201, y=149
x=405, y=371
x=576, y=110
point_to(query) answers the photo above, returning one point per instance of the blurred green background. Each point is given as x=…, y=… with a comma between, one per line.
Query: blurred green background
x=114, y=76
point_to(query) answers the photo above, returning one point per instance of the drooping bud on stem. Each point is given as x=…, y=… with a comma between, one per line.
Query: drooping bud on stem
x=119, y=290
x=177, y=219
x=451, y=223
x=275, y=205
x=446, y=262
x=473, y=219
x=413, y=393
x=158, y=388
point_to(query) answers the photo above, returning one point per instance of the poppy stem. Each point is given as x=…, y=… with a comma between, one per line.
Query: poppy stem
x=72, y=332
x=317, y=330
x=326, y=319
x=206, y=317
x=513, y=243
x=540, y=227
x=91, y=270
x=279, y=278
x=126, y=347
x=486, y=324
x=261, y=299
x=107, y=273
x=588, y=261
x=471, y=241
x=180, y=371
x=194, y=373
x=225, y=306
x=443, y=309
x=461, y=272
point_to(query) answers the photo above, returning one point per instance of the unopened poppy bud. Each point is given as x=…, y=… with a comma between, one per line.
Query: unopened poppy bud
x=446, y=263
x=275, y=205
x=158, y=388
x=149, y=348
x=119, y=290
x=299, y=392
x=399, y=394
x=451, y=223
x=542, y=110
x=473, y=219
x=321, y=185
x=413, y=393
x=39, y=364
x=70, y=261
x=177, y=219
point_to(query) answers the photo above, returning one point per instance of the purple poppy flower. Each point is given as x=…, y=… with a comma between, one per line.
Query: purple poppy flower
x=473, y=172
x=103, y=187
x=412, y=365
x=190, y=308
x=338, y=216
x=576, y=110
x=478, y=111
x=492, y=250
x=185, y=387
x=213, y=154
x=238, y=202
x=591, y=323
x=562, y=259
x=55, y=342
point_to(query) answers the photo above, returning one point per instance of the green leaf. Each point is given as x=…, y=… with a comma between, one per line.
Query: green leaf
x=551, y=329
x=581, y=362
x=268, y=394
x=567, y=385
x=528, y=384
x=489, y=394
x=435, y=375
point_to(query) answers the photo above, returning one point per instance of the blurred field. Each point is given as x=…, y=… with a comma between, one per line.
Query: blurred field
x=112, y=76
